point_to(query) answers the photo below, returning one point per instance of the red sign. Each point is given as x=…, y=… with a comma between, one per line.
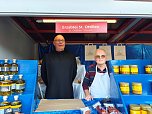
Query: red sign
x=85, y=27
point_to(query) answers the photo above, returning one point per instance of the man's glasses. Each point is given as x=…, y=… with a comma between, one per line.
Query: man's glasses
x=59, y=40
x=100, y=56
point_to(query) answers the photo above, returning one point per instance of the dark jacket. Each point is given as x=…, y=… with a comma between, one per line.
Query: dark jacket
x=58, y=72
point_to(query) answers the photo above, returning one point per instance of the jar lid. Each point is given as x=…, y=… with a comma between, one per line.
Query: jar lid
x=148, y=66
x=116, y=66
x=125, y=66
x=134, y=107
x=133, y=65
x=145, y=106
x=136, y=83
x=124, y=84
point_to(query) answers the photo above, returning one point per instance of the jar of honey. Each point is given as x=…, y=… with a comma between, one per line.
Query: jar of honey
x=148, y=69
x=125, y=69
x=124, y=87
x=136, y=88
x=134, y=109
x=116, y=69
x=133, y=69
x=144, y=108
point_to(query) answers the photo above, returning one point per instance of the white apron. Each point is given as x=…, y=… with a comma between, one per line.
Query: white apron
x=100, y=87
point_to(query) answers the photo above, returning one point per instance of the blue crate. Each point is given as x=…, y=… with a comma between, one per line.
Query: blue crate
x=29, y=70
x=145, y=79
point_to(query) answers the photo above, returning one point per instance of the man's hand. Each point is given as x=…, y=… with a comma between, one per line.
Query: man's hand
x=88, y=96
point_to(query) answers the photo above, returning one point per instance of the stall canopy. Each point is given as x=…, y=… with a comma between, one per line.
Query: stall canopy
x=124, y=30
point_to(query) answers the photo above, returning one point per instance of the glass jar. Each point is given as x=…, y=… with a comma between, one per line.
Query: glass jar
x=125, y=69
x=148, y=69
x=124, y=87
x=144, y=108
x=134, y=109
x=136, y=88
x=133, y=69
x=116, y=69
x=5, y=87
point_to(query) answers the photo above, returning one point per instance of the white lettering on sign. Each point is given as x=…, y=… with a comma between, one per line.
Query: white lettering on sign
x=69, y=27
x=92, y=26
x=80, y=27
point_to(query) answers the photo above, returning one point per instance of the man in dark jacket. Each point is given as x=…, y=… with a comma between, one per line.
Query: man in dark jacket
x=58, y=71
